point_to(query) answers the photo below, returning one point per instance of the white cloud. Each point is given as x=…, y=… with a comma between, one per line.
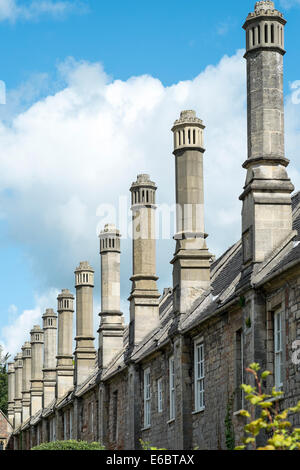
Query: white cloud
x=83, y=145
x=16, y=332
x=13, y=10
x=289, y=3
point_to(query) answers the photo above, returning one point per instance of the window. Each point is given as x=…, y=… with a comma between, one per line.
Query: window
x=147, y=398
x=71, y=424
x=199, y=376
x=65, y=426
x=160, y=395
x=115, y=416
x=278, y=350
x=91, y=416
x=239, y=369
x=52, y=430
x=172, y=387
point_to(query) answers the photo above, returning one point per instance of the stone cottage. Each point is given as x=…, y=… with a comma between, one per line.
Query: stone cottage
x=169, y=376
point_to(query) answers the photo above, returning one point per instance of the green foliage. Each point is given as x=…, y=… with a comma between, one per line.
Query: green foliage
x=69, y=445
x=248, y=322
x=229, y=429
x=275, y=423
x=3, y=381
x=147, y=446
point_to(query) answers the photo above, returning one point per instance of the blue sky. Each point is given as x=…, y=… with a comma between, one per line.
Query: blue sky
x=99, y=84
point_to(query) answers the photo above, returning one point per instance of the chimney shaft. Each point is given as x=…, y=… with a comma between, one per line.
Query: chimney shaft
x=191, y=262
x=64, y=365
x=37, y=341
x=144, y=298
x=11, y=392
x=112, y=321
x=85, y=353
x=18, y=389
x=267, y=210
x=50, y=351
x=26, y=377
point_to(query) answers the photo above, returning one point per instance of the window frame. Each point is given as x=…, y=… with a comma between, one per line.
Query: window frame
x=147, y=398
x=199, y=379
x=172, y=412
x=278, y=350
x=160, y=395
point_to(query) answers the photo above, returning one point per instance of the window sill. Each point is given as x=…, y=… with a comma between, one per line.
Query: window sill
x=238, y=413
x=171, y=421
x=198, y=411
x=146, y=428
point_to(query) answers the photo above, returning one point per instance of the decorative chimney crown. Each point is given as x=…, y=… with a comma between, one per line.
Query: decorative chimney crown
x=84, y=275
x=265, y=27
x=188, y=131
x=143, y=191
x=109, y=239
x=37, y=334
x=18, y=361
x=65, y=301
x=49, y=319
x=26, y=349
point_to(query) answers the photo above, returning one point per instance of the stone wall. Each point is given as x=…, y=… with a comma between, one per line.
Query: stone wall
x=112, y=411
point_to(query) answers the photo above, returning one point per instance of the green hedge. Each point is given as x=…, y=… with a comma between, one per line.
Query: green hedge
x=69, y=445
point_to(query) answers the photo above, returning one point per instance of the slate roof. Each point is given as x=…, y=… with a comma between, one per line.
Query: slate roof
x=227, y=282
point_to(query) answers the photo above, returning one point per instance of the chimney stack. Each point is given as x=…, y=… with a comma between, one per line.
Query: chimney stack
x=144, y=298
x=37, y=341
x=26, y=377
x=11, y=392
x=191, y=262
x=64, y=365
x=267, y=209
x=50, y=345
x=85, y=353
x=112, y=321
x=18, y=389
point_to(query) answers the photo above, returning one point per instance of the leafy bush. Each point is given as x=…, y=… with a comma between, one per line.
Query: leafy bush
x=69, y=445
x=273, y=422
x=147, y=446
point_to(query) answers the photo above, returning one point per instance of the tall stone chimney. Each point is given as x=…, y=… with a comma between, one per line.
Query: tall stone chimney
x=26, y=377
x=267, y=211
x=64, y=365
x=191, y=262
x=36, y=393
x=112, y=321
x=18, y=389
x=85, y=353
x=50, y=351
x=11, y=392
x=144, y=298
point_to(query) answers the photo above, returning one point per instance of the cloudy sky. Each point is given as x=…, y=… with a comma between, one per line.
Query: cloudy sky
x=92, y=91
